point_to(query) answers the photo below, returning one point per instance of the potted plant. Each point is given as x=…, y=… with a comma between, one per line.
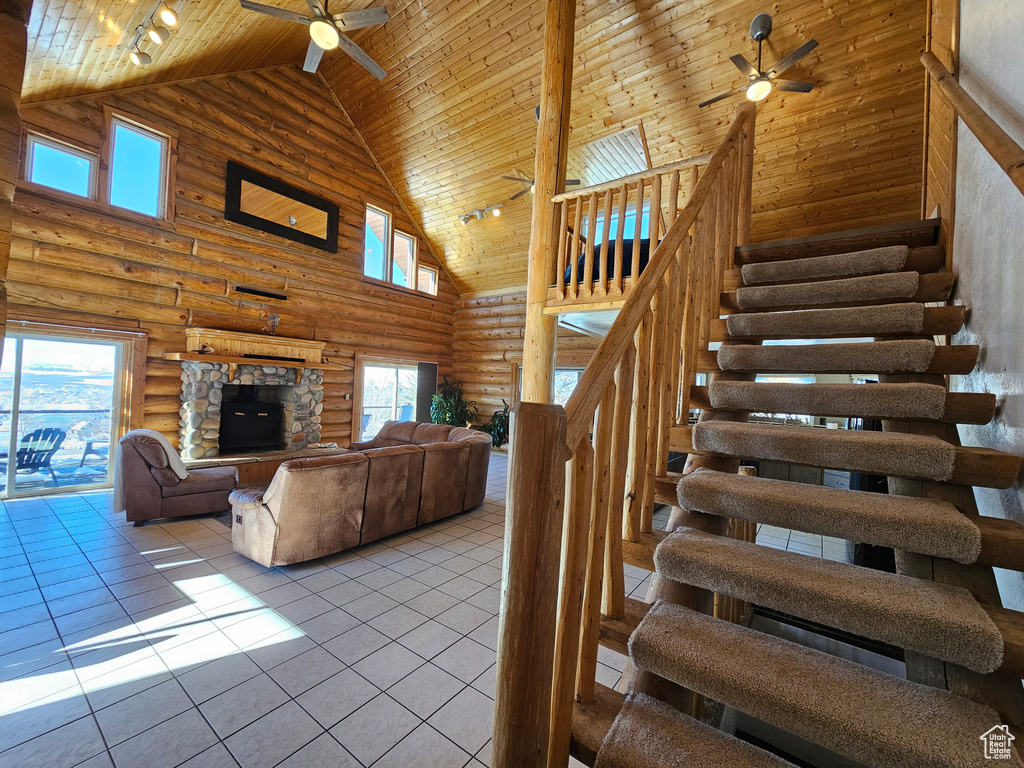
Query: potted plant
x=497, y=427
x=449, y=407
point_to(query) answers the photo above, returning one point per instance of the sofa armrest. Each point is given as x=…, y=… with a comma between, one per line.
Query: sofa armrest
x=247, y=498
x=364, y=446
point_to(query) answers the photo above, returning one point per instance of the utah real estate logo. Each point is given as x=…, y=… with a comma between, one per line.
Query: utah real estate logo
x=997, y=742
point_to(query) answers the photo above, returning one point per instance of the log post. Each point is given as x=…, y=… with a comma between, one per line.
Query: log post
x=13, y=50
x=746, y=159
x=549, y=177
x=529, y=586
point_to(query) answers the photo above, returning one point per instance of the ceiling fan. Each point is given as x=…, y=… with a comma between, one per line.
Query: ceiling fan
x=761, y=82
x=326, y=31
x=529, y=185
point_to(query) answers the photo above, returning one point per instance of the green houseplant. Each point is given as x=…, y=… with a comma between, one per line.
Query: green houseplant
x=497, y=427
x=449, y=407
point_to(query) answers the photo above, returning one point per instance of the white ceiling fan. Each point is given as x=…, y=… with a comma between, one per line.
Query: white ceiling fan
x=326, y=31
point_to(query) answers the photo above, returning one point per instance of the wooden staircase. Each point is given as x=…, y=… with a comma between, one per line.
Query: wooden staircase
x=858, y=713
x=708, y=314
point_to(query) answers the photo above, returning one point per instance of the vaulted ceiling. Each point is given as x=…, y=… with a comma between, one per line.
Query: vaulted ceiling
x=456, y=111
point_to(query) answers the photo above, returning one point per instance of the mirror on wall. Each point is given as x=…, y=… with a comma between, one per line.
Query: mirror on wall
x=268, y=204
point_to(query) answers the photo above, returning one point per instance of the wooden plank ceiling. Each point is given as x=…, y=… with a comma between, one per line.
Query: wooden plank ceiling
x=456, y=111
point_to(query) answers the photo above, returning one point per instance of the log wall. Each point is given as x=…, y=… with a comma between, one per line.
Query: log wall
x=489, y=334
x=81, y=263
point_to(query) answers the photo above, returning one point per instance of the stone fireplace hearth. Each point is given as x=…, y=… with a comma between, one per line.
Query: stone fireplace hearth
x=202, y=396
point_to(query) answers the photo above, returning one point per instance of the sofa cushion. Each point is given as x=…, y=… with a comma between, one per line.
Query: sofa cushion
x=430, y=433
x=204, y=481
x=149, y=449
x=399, y=431
x=444, y=480
x=165, y=476
x=392, y=491
x=479, y=458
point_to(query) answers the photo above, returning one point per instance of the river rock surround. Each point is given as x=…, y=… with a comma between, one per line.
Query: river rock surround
x=202, y=393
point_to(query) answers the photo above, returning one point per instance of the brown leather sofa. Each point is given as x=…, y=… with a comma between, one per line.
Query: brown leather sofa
x=151, y=490
x=411, y=474
x=312, y=508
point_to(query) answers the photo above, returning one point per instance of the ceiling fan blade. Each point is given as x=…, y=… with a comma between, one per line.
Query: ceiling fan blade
x=792, y=85
x=719, y=97
x=313, y=54
x=519, y=194
x=572, y=182
x=744, y=66
x=516, y=178
x=270, y=10
x=793, y=58
x=362, y=57
x=368, y=17
x=317, y=7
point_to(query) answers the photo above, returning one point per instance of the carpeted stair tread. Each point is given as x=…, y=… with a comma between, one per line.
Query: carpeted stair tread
x=879, y=453
x=909, y=356
x=907, y=523
x=935, y=619
x=898, y=285
x=648, y=733
x=845, y=322
x=860, y=713
x=874, y=261
x=880, y=401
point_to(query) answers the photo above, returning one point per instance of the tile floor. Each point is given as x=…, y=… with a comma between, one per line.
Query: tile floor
x=158, y=647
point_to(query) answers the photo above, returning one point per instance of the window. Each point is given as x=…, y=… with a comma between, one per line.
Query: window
x=60, y=166
x=137, y=175
x=392, y=256
x=375, y=252
x=629, y=225
x=426, y=280
x=60, y=411
x=404, y=260
x=138, y=169
x=566, y=380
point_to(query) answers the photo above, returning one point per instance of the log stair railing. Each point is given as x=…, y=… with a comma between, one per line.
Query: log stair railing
x=583, y=483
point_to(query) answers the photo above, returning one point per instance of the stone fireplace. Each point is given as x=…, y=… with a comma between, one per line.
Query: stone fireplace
x=202, y=397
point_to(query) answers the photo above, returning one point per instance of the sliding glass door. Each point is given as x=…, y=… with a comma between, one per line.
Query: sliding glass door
x=60, y=411
x=389, y=393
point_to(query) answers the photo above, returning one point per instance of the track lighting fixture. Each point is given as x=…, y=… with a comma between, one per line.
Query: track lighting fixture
x=139, y=58
x=478, y=213
x=167, y=15
x=159, y=35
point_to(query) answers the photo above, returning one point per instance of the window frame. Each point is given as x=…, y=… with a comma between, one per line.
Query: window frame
x=389, y=256
x=34, y=137
x=361, y=361
x=167, y=140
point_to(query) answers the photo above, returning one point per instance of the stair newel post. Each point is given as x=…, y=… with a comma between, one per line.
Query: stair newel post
x=613, y=602
x=529, y=587
x=579, y=492
x=602, y=499
x=562, y=214
x=620, y=231
x=574, y=277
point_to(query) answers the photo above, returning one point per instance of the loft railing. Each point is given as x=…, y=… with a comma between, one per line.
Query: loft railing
x=602, y=211
x=581, y=479
x=1003, y=149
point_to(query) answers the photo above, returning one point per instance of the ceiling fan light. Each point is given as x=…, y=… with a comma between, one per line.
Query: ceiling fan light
x=324, y=34
x=167, y=15
x=159, y=35
x=140, y=59
x=759, y=89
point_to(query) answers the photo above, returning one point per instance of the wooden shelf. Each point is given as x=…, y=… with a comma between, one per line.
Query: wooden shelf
x=198, y=357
